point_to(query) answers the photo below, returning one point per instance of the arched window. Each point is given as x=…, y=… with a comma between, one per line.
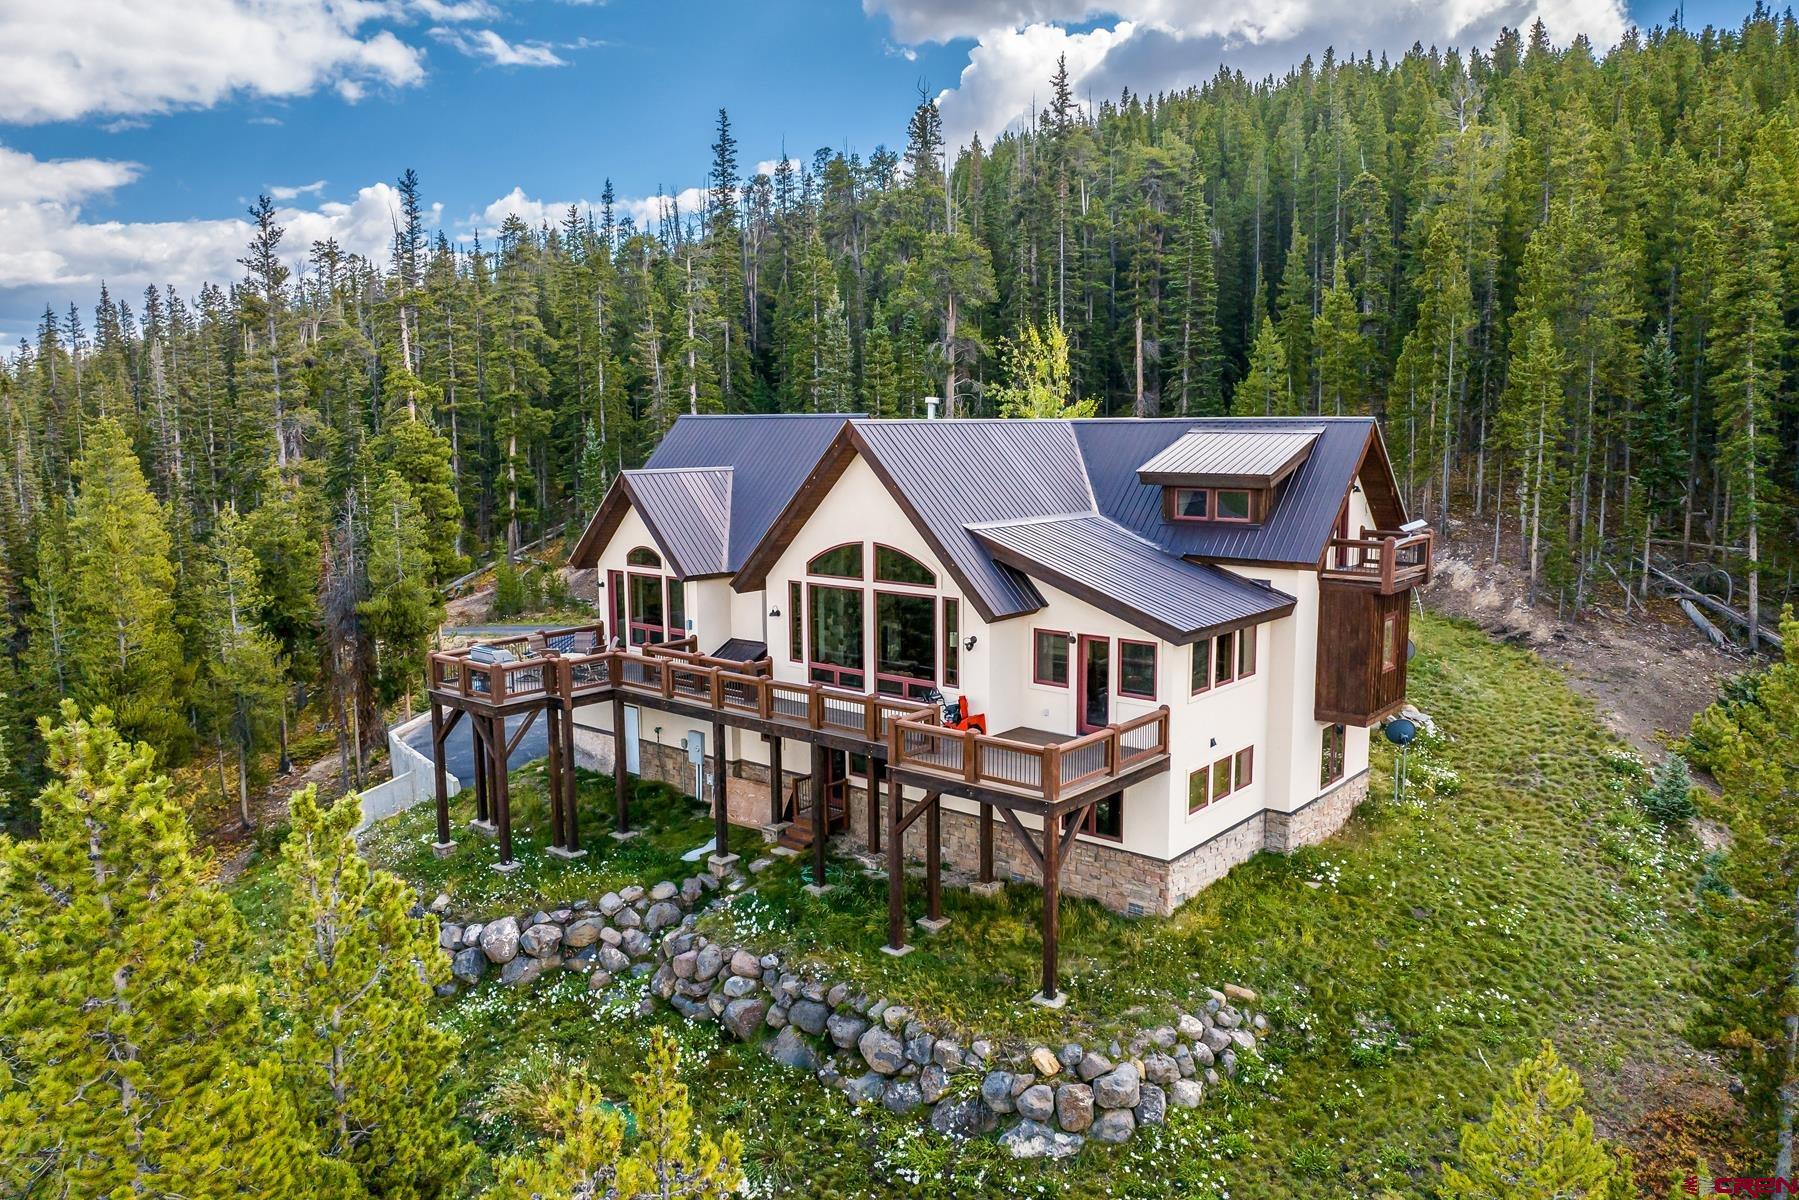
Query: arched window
x=896, y=566
x=843, y=562
x=643, y=556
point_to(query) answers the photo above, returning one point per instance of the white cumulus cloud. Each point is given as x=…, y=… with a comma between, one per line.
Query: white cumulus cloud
x=490, y=46
x=80, y=58
x=1159, y=45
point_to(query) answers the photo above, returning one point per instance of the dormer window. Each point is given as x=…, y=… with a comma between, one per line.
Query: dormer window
x=1216, y=504
x=1226, y=472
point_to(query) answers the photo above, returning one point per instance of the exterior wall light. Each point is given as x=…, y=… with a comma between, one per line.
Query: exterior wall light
x=969, y=643
x=774, y=612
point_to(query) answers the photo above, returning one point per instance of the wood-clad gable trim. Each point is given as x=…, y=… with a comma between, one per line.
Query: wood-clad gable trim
x=599, y=532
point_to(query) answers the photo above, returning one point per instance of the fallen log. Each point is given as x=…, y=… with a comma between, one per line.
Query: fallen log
x=1767, y=633
x=1712, y=632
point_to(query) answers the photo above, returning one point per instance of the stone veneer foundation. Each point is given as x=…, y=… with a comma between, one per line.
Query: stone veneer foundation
x=1121, y=880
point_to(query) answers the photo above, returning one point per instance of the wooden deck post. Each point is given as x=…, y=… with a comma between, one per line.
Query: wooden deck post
x=621, y=787
x=502, y=796
x=821, y=815
x=478, y=742
x=553, y=763
x=722, y=858
x=571, y=825
x=874, y=804
x=933, y=890
x=1052, y=897
x=775, y=779
x=986, y=843
x=896, y=873
x=444, y=844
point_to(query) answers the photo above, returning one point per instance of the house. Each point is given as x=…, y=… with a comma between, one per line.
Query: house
x=1179, y=632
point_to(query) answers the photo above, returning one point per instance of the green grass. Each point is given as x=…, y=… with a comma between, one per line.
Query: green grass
x=1408, y=963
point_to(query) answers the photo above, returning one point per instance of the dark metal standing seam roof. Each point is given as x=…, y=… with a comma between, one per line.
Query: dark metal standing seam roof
x=769, y=456
x=1305, y=507
x=953, y=473
x=1263, y=455
x=688, y=509
x=1098, y=559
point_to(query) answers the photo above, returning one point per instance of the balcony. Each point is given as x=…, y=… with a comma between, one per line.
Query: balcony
x=1388, y=561
x=1029, y=762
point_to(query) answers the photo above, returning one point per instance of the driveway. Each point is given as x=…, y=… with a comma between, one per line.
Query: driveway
x=459, y=747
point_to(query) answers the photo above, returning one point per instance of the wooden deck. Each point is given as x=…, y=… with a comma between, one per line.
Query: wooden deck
x=1386, y=560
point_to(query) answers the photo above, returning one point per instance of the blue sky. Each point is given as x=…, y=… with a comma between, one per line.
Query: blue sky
x=135, y=132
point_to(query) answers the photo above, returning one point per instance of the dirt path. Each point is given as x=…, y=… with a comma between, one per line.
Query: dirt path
x=1647, y=673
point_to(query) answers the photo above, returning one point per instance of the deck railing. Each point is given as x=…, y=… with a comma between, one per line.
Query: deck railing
x=1383, y=558
x=1053, y=770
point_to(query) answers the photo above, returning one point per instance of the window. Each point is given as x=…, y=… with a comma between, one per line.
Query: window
x=905, y=644
x=1192, y=504
x=615, y=581
x=1199, y=789
x=1049, y=662
x=677, y=608
x=1331, y=767
x=1224, y=659
x=1246, y=759
x=896, y=566
x=1246, y=652
x=642, y=556
x=1137, y=669
x=1202, y=665
x=1389, y=643
x=952, y=642
x=1232, y=505
x=796, y=623
x=845, y=562
x=647, y=623
x=1104, y=820
x=1221, y=778
x=836, y=650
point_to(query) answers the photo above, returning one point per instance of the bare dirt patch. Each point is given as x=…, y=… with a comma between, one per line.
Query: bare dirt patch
x=1647, y=672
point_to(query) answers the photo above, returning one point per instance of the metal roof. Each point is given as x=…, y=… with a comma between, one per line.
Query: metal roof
x=741, y=650
x=688, y=509
x=1109, y=566
x=1305, y=506
x=1208, y=457
x=769, y=456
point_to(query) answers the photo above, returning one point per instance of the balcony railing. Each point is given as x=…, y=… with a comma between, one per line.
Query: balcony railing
x=1386, y=559
x=1052, y=770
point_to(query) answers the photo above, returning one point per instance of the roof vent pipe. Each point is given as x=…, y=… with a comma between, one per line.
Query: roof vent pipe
x=930, y=407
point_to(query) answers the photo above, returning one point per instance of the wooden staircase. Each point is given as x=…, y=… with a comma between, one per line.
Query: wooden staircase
x=798, y=834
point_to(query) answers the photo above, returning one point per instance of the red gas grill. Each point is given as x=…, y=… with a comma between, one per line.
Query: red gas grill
x=954, y=713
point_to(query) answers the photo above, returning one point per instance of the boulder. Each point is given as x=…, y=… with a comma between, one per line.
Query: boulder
x=810, y=1016
x=867, y=1089
x=744, y=1017
x=468, y=965
x=1191, y=1027
x=996, y=1090
x=441, y=903
x=1163, y=1037
x=1227, y=1018
x=963, y=1117
x=1243, y=1039
x=920, y=1049
x=499, y=940
x=791, y=1050
x=582, y=932
x=664, y=891
x=1074, y=1106
x=1037, y=1102
x=737, y=987
x=933, y=1083
x=610, y=903
x=449, y=936
x=1152, y=1106
x=882, y=1049
x=521, y=969
x=902, y=1097
x=634, y=943
x=1032, y=1139
x=1093, y=1064
x=1046, y=1062
x=540, y=941
x=627, y=918
x=691, y=887
x=1240, y=994
x=598, y=981
x=746, y=964
x=1114, y=1125
x=1118, y=1088
x=709, y=961
x=1202, y=1056
x=662, y=914
x=1216, y=1040
x=611, y=936
x=845, y=1029
x=946, y=1053
x=683, y=964
x=631, y=895
x=1159, y=1068
x=1069, y=1056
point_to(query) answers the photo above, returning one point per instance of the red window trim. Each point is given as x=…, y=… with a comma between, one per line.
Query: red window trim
x=1090, y=821
x=1212, y=517
x=1036, y=677
x=1201, y=649
x=911, y=687
x=1247, y=636
x=651, y=550
x=949, y=647
x=1249, y=496
x=1174, y=504
x=1389, y=643
x=1243, y=768
x=853, y=679
x=1205, y=788
x=875, y=567
x=1155, y=669
x=632, y=624
x=863, y=546
x=618, y=617
x=796, y=621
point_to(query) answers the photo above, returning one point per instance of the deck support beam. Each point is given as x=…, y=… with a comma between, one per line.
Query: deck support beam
x=722, y=859
x=986, y=843
x=1052, y=914
x=821, y=817
x=440, y=779
x=873, y=815
x=483, y=819
x=776, y=780
x=571, y=794
x=621, y=786
x=896, y=873
x=933, y=920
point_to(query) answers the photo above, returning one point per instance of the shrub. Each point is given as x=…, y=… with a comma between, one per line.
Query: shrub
x=1669, y=798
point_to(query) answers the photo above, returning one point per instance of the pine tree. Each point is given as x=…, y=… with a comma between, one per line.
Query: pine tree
x=1342, y=354
x=402, y=611
x=1264, y=392
x=1538, y=1144
x=419, y=455
x=1530, y=430
x=369, y=1074
x=1193, y=362
x=1294, y=321
x=241, y=681
x=124, y=650
x=128, y=1018
x=589, y=1158
x=1429, y=381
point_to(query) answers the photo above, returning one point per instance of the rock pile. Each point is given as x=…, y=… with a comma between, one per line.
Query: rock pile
x=876, y=1052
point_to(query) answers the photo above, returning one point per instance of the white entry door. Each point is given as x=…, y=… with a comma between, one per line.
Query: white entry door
x=633, y=744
